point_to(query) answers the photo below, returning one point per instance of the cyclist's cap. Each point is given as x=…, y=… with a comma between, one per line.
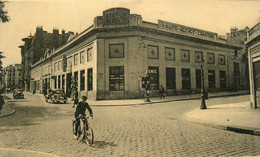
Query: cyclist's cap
x=84, y=97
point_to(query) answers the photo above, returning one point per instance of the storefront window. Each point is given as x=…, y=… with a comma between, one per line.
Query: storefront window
x=153, y=74
x=212, y=79
x=222, y=79
x=186, y=83
x=82, y=80
x=116, y=78
x=59, y=82
x=170, y=78
x=90, y=79
x=198, y=78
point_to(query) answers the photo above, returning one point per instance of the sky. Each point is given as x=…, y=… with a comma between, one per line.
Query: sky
x=76, y=15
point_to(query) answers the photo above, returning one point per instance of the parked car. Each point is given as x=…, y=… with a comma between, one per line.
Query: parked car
x=56, y=96
x=18, y=93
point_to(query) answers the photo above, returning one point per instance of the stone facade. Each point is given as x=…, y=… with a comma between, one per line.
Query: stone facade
x=35, y=46
x=253, y=45
x=119, y=53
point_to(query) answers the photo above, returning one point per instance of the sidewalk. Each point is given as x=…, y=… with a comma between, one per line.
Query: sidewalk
x=7, y=109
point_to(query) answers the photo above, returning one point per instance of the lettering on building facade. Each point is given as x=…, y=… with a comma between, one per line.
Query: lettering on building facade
x=184, y=29
x=116, y=16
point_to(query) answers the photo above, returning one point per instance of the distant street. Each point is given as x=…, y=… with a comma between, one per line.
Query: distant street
x=141, y=130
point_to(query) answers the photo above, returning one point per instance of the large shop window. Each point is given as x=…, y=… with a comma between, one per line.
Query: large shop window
x=222, y=79
x=82, y=80
x=186, y=83
x=211, y=79
x=59, y=82
x=55, y=82
x=170, y=78
x=116, y=51
x=198, y=78
x=116, y=78
x=90, y=79
x=153, y=73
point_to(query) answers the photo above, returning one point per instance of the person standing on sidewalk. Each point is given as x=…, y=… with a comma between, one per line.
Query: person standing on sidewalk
x=161, y=90
x=2, y=102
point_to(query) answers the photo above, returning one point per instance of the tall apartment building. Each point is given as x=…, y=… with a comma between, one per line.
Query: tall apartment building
x=238, y=37
x=12, y=76
x=35, y=46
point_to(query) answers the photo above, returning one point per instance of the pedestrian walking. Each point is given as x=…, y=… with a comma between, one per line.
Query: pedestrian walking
x=2, y=102
x=161, y=90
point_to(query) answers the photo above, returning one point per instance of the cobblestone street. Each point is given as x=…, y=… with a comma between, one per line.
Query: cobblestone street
x=141, y=130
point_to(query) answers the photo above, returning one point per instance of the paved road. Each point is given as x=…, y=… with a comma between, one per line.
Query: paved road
x=142, y=130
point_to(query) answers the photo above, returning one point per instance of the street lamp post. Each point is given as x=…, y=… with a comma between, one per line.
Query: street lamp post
x=203, y=103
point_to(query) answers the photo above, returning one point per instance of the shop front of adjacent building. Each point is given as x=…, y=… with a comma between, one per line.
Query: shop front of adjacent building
x=117, y=55
x=253, y=45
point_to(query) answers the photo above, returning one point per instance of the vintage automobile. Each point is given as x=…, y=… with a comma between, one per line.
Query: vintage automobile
x=56, y=96
x=18, y=93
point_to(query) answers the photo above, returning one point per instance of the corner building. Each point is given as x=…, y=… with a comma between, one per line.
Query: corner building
x=114, y=57
x=253, y=45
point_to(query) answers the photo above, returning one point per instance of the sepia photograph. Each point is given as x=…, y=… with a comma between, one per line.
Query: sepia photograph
x=129, y=78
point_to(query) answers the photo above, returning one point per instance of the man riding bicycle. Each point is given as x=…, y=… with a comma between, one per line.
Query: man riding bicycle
x=81, y=109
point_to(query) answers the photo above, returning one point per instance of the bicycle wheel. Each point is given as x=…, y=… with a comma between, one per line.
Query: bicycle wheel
x=79, y=132
x=88, y=136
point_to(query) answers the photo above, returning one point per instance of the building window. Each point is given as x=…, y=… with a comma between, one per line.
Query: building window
x=116, y=50
x=90, y=54
x=198, y=56
x=170, y=78
x=169, y=53
x=211, y=79
x=59, y=82
x=55, y=82
x=198, y=79
x=59, y=66
x=185, y=55
x=90, y=79
x=116, y=78
x=63, y=82
x=222, y=79
x=153, y=52
x=221, y=59
x=55, y=66
x=211, y=58
x=153, y=74
x=82, y=80
x=76, y=57
x=186, y=83
x=76, y=79
x=82, y=57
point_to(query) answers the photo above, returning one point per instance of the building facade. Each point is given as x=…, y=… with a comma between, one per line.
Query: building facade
x=12, y=77
x=114, y=58
x=253, y=45
x=35, y=46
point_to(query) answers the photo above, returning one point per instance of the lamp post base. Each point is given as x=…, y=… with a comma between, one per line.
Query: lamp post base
x=203, y=103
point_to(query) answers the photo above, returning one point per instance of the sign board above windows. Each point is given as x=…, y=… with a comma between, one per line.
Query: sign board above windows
x=116, y=16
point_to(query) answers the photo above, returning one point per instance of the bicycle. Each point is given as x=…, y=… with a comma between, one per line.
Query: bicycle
x=85, y=129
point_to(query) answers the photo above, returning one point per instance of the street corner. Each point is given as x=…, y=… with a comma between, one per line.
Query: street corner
x=7, y=152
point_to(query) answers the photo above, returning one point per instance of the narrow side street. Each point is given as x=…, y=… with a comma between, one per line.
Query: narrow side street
x=141, y=130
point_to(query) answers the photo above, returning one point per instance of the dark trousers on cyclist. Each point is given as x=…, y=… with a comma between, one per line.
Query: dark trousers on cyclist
x=77, y=122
